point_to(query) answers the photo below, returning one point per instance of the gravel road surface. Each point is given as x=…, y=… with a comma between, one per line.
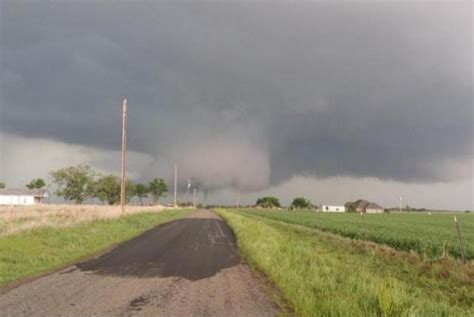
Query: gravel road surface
x=188, y=267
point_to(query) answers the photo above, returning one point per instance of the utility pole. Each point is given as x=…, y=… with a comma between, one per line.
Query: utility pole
x=175, y=184
x=124, y=156
x=187, y=191
x=194, y=197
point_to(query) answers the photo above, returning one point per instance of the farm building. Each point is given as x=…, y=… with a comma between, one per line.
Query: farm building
x=330, y=208
x=363, y=206
x=13, y=196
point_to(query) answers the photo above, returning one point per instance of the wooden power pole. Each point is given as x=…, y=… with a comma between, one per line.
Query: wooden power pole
x=124, y=156
x=175, y=184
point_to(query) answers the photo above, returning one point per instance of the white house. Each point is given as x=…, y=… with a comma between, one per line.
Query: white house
x=13, y=196
x=330, y=208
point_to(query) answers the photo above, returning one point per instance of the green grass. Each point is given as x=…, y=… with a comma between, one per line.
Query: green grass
x=33, y=252
x=431, y=235
x=321, y=274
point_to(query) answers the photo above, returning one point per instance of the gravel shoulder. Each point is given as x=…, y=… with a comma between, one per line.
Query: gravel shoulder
x=188, y=267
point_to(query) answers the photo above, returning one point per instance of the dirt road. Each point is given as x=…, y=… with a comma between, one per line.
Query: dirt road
x=188, y=267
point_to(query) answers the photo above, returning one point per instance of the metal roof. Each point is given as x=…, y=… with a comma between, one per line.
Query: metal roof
x=363, y=204
x=23, y=192
x=374, y=206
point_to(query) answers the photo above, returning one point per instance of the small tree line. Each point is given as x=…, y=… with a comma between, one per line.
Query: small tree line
x=274, y=202
x=81, y=182
x=78, y=183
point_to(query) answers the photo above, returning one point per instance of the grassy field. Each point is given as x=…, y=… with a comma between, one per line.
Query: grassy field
x=14, y=219
x=432, y=235
x=42, y=249
x=322, y=274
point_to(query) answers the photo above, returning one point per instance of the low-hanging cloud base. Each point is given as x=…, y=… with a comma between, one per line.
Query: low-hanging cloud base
x=28, y=158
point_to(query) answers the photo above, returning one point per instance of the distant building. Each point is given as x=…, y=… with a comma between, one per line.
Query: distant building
x=363, y=206
x=330, y=208
x=13, y=196
x=357, y=206
x=374, y=208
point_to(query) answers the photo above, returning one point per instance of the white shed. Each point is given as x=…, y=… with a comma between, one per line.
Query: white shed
x=332, y=208
x=14, y=196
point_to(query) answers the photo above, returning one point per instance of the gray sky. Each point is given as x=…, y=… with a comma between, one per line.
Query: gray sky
x=314, y=98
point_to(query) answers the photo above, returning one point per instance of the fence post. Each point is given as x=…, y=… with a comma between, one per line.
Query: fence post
x=366, y=234
x=461, y=242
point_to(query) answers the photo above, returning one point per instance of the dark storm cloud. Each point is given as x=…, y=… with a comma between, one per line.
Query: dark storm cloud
x=317, y=89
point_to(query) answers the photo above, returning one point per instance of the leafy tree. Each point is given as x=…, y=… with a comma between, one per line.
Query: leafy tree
x=130, y=190
x=2, y=185
x=74, y=183
x=301, y=203
x=268, y=202
x=157, y=188
x=141, y=191
x=36, y=183
x=107, y=188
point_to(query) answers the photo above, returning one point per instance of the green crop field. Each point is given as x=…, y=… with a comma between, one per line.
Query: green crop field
x=431, y=235
x=324, y=274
